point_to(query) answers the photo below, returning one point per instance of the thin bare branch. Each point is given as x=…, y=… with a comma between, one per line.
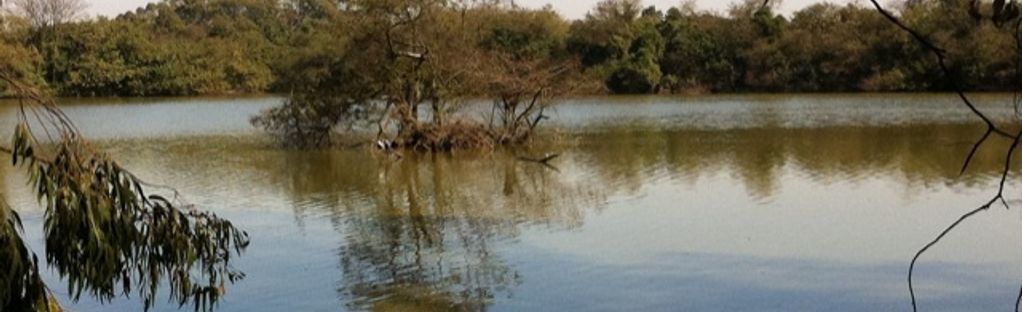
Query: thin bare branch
x=1018, y=300
x=975, y=148
x=940, y=55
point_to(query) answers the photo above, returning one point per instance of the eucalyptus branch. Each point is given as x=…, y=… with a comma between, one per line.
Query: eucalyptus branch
x=104, y=232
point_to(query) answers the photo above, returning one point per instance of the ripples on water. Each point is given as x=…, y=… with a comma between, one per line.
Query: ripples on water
x=716, y=203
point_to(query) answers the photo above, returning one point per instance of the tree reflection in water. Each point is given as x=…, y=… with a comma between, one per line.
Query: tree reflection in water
x=433, y=232
x=423, y=233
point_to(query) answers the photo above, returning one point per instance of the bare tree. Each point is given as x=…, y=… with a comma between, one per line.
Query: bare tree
x=522, y=89
x=48, y=13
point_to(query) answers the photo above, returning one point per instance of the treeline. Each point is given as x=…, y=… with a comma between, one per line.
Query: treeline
x=190, y=47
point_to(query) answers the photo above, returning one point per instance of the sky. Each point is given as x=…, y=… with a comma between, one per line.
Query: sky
x=572, y=9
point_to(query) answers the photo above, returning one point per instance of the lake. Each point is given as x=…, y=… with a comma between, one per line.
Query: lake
x=709, y=203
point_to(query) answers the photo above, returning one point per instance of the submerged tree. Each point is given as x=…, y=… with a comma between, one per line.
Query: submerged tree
x=408, y=66
x=522, y=89
x=105, y=231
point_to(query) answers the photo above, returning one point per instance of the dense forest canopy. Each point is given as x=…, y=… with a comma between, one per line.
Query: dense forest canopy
x=191, y=47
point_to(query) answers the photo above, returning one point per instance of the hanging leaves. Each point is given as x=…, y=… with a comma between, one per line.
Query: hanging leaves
x=104, y=233
x=23, y=289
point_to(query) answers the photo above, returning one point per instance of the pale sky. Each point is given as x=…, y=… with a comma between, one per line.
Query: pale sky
x=572, y=9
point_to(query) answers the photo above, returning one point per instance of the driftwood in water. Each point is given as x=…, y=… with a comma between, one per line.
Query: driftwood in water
x=545, y=160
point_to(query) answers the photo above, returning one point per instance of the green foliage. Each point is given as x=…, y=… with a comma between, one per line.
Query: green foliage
x=694, y=56
x=24, y=289
x=168, y=48
x=639, y=70
x=328, y=84
x=523, y=33
x=637, y=79
x=20, y=61
x=104, y=232
x=606, y=33
x=622, y=40
x=308, y=120
x=384, y=62
x=188, y=47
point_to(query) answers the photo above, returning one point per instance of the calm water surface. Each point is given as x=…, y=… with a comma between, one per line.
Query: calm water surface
x=723, y=203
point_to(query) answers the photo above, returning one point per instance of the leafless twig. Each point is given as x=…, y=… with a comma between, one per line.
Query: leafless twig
x=992, y=129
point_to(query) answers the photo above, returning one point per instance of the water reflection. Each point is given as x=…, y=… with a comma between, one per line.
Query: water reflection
x=919, y=155
x=416, y=215
x=637, y=212
x=419, y=232
x=416, y=232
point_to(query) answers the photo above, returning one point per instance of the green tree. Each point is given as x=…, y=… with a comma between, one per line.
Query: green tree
x=406, y=68
x=639, y=70
x=620, y=42
x=695, y=53
x=21, y=61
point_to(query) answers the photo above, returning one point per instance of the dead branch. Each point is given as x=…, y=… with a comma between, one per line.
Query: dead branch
x=545, y=160
x=1018, y=299
x=940, y=55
